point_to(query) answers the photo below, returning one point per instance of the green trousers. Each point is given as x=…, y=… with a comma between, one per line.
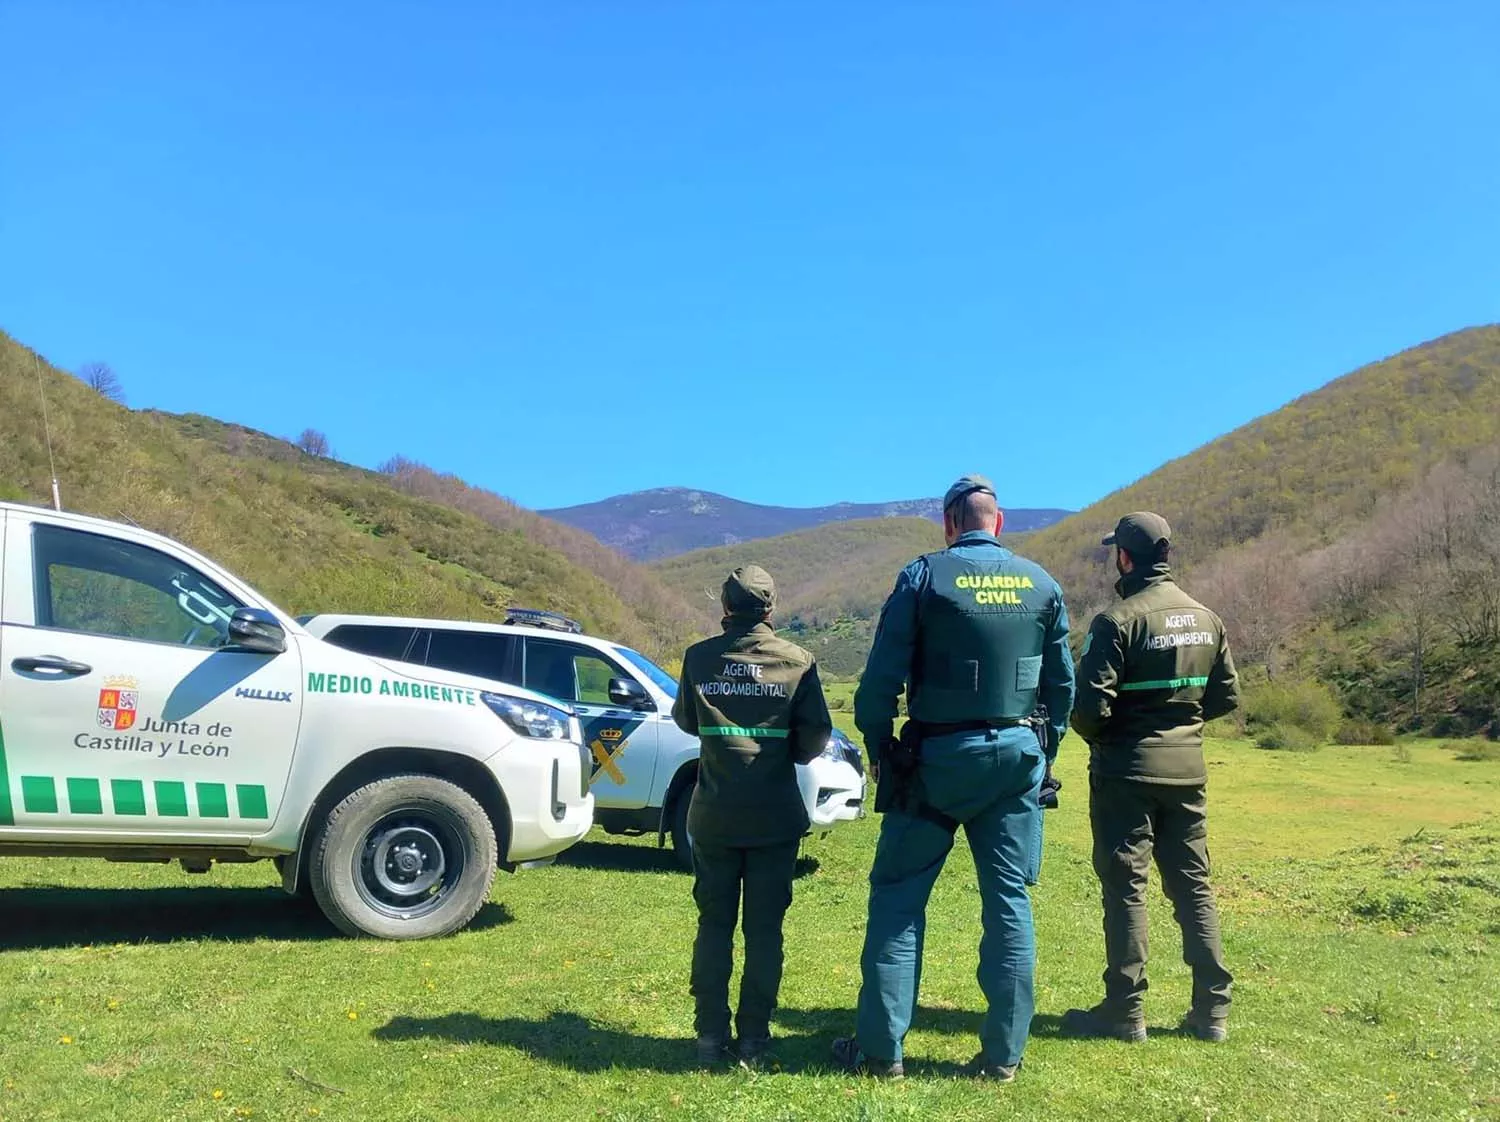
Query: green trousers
x=720, y=875
x=1133, y=822
x=988, y=781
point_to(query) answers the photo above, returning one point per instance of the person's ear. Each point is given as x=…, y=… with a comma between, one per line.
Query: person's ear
x=999, y=521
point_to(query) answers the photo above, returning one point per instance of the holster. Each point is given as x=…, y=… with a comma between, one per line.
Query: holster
x=900, y=760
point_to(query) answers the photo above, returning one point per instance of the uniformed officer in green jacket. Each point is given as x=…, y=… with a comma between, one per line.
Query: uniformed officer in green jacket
x=755, y=703
x=978, y=637
x=1153, y=669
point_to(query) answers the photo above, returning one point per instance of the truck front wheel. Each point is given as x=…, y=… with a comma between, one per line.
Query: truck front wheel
x=407, y=857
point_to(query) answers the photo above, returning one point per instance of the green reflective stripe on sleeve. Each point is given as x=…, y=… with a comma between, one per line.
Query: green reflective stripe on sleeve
x=1164, y=684
x=7, y=813
x=735, y=730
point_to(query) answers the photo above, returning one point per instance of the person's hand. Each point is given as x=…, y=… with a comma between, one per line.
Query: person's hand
x=1051, y=785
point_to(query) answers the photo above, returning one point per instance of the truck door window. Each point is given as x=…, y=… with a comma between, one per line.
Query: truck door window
x=480, y=653
x=104, y=586
x=569, y=672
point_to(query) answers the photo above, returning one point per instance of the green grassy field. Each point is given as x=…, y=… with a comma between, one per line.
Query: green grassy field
x=1361, y=896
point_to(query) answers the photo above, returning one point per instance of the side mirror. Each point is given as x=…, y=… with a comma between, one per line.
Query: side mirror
x=628, y=693
x=255, y=629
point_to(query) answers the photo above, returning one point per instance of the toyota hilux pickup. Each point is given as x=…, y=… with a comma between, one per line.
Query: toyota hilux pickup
x=643, y=766
x=155, y=708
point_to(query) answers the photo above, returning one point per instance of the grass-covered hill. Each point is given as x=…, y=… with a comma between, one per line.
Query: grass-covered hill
x=314, y=534
x=1313, y=469
x=1350, y=539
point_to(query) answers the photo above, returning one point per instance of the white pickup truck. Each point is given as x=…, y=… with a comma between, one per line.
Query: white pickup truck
x=644, y=766
x=154, y=708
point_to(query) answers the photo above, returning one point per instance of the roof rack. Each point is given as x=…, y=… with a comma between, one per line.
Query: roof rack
x=535, y=617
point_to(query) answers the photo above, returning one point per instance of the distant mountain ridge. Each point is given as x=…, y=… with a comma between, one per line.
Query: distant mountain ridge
x=667, y=521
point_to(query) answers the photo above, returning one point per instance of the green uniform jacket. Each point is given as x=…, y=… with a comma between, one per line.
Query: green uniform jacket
x=1154, y=668
x=755, y=703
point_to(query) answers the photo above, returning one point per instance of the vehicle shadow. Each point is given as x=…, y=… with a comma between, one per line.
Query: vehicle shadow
x=47, y=916
x=615, y=857
x=572, y=1041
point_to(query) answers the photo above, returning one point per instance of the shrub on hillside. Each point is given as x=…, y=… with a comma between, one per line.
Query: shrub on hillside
x=1287, y=738
x=1273, y=709
x=1477, y=751
x=1357, y=730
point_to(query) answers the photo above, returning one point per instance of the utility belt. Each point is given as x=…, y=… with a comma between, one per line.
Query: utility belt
x=929, y=729
x=901, y=756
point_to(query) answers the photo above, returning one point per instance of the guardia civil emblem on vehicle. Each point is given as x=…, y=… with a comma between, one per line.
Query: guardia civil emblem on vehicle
x=117, y=703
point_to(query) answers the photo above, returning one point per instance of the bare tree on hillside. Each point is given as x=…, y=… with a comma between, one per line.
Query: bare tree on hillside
x=101, y=378
x=314, y=443
x=1259, y=592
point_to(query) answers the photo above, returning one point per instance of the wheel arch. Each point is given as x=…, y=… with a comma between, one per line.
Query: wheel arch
x=462, y=771
x=681, y=787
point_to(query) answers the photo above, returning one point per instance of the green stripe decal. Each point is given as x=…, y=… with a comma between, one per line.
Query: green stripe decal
x=171, y=798
x=38, y=794
x=735, y=730
x=84, y=797
x=1164, y=684
x=251, y=798
x=129, y=796
x=213, y=800
x=7, y=815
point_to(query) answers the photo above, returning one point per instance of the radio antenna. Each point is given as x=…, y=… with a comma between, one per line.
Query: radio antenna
x=47, y=431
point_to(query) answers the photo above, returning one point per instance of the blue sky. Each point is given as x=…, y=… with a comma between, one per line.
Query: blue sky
x=792, y=252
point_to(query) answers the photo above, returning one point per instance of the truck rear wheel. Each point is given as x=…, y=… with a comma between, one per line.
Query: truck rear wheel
x=406, y=857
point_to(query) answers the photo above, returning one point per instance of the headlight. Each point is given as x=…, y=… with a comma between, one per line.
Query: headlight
x=840, y=747
x=530, y=718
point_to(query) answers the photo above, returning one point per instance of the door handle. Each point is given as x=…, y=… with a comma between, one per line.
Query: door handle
x=62, y=667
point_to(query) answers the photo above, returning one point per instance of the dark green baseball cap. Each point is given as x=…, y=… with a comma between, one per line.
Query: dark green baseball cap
x=967, y=485
x=748, y=591
x=1140, y=534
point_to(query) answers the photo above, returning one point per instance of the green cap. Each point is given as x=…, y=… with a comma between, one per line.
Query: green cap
x=748, y=591
x=1140, y=534
x=967, y=485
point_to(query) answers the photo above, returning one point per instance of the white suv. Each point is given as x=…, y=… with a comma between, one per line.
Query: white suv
x=153, y=707
x=644, y=766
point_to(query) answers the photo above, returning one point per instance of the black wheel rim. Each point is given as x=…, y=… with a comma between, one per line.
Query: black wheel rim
x=409, y=861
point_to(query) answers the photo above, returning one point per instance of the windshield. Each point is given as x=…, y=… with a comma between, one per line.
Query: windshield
x=664, y=681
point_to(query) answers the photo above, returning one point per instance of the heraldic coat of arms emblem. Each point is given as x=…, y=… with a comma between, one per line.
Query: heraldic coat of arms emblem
x=117, y=703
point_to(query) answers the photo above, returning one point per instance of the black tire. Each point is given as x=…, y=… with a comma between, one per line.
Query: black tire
x=406, y=857
x=682, y=845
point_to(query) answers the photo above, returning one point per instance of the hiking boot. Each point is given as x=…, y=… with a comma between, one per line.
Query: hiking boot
x=1103, y=1023
x=713, y=1050
x=1206, y=1026
x=755, y=1052
x=847, y=1055
x=980, y=1068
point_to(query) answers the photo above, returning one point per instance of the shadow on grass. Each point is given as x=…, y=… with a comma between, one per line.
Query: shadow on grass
x=55, y=916
x=562, y=1039
x=616, y=858
x=574, y=1042
x=951, y=1022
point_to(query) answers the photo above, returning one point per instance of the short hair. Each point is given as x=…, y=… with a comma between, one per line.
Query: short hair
x=1159, y=556
x=975, y=511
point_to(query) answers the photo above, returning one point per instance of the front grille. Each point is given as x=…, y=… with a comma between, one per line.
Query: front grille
x=585, y=770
